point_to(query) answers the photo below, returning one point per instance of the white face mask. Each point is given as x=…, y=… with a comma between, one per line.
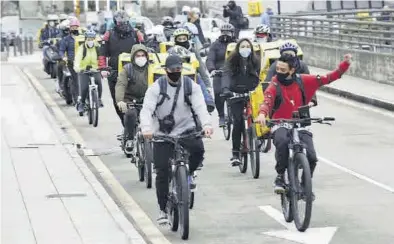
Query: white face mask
x=245, y=52
x=90, y=44
x=261, y=40
x=51, y=23
x=141, y=61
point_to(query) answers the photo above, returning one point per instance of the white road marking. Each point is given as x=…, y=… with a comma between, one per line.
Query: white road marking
x=310, y=236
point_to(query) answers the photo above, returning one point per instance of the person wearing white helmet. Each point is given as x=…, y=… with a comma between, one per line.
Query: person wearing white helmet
x=196, y=11
x=186, y=10
x=50, y=31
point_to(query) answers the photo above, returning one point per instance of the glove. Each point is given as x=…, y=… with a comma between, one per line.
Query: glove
x=122, y=106
x=213, y=73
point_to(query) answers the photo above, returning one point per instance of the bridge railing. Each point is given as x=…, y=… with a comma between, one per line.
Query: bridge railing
x=374, y=36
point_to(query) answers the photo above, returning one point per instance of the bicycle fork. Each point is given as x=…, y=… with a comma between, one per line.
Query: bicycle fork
x=92, y=88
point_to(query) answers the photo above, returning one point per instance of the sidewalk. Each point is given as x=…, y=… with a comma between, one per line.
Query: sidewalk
x=49, y=195
x=360, y=90
x=36, y=57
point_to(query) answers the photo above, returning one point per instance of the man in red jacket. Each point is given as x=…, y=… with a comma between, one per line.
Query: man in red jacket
x=285, y=94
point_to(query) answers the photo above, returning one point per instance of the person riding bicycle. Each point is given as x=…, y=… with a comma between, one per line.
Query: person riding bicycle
x=174, y=117
x=50, y=31
x=182, y=38
x=169, y=27
x=301, y=66
x=262, y=34
x=241, y=75
x=215, y=62
x=118, y=40
x=86, y=59
x=287, y=92
x=67, y=45
x=62, y=17
x=64, y=30
x=131, y=85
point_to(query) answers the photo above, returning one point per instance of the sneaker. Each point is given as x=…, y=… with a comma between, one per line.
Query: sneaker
x=192, y=183
x=235, y=161
x=129, y=147
x=81, y=107
x=163, y=218
x=222, y=122
x=279, y=184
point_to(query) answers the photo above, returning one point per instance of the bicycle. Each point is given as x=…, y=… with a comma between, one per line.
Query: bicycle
x=180, y=198
x=93, y=104
x=295, y=191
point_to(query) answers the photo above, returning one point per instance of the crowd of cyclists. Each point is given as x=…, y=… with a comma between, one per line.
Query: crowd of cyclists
x=166, y=108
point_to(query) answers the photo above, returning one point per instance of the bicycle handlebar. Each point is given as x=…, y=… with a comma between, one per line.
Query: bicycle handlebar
x=217, y=73
x=273, y=122
x=175, y=139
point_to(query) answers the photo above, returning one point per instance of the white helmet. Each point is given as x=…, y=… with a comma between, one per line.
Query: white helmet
x=52, y=17
x=192, y=28
x=196, y=10
x=186, y=9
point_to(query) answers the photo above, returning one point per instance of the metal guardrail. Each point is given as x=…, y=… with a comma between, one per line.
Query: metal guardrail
x=373, y=14
x=19, y=46
x=374, y=36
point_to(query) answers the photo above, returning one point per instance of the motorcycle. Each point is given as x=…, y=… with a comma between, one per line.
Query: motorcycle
x=51, y=57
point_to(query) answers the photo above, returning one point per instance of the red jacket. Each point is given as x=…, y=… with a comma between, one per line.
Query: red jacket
x=292, y=96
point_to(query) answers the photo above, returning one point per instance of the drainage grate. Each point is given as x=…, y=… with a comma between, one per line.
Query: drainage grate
x=66, y=195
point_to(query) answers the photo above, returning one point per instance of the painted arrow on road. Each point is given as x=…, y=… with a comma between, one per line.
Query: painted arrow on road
x=310, y=236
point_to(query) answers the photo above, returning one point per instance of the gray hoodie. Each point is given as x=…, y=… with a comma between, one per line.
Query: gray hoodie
x=182, y=114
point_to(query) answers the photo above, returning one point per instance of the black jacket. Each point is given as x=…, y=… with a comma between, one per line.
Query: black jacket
x=234, y=15
x=241, y=80
x=216, y=55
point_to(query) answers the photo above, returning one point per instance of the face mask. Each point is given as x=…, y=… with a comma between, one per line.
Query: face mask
x=174, y=77
x=282, y=78
x=90, y=44
x=183, y=44
x=124, y=27
x=225, y=38
x=245, y=52
x=261, y=40
x=140, y=61
x=51, y=24
x=75, y=32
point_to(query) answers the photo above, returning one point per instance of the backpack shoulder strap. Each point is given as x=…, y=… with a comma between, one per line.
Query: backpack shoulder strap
x=163, y=91
x=84, y=51
x=187, y=90
x=301, y=85
x=129, y=71
x=278, y=98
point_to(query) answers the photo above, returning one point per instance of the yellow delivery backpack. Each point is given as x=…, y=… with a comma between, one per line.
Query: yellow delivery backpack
x=254, y=8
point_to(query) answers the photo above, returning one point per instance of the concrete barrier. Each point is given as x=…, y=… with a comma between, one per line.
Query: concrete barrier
x=368, y=65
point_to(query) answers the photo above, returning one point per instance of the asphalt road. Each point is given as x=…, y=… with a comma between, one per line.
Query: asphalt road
x=227, y=202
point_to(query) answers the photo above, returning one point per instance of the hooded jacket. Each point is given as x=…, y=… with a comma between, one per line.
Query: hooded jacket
x=129, y=88
x=234, y=14
x=91, y=58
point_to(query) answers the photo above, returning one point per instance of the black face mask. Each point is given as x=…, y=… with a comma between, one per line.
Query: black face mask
x=225, y=38
x=75, y=32
x=174, y=76
x=282, y=78
x=124, y=27
x=183, y=44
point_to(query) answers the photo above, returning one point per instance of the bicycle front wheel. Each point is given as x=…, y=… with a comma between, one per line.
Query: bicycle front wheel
x=301, y=191
x=182, y=191
x=95, y=108
x=254, y=151
x=148, y=155
x=243, y=167
x=227, y=121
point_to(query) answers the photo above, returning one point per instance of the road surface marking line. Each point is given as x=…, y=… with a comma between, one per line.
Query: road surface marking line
x=130, y=206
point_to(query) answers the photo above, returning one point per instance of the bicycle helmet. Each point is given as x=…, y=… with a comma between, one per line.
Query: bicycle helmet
x=74, y=22
x=288, y=46
x=121, y=17
x=186, y=9
x=90, y=33
x=181, y=32
x=262, y=29
x=64, y=25
x=63, y=17
x=167, y=21
x=196, y=10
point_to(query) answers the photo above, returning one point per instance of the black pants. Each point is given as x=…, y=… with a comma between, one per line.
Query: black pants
x=162, y=151
x=130, y=121
x=217, y=89
x=84, y=81
x=237, y=110
x=236, y=32
x=74, y=85
x=281, y=141
x=112, y=79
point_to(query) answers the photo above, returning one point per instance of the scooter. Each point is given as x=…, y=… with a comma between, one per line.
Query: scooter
x=51, y=57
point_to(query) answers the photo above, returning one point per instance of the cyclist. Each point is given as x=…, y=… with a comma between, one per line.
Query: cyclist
x=64, y=28
x=241, y=75
x=292, y=91
x=62, y=17
x=182, y=38
x=215, y=61
x=169, y=27
x=67, y=45
x=116, y=41
x=301, y=66
x=132, y=84
x=185, y=118
x=262, y=34
x=87, y=57
x=50, y=30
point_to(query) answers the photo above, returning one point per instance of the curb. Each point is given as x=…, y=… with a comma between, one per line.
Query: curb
x=359, y=98
x=127, y=205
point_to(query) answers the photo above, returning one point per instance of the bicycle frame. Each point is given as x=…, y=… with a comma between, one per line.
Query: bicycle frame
x=295, y=145
x=92, y=87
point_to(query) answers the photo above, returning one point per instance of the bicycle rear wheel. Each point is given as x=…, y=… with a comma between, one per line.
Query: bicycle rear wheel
x=140, y=160
x=148, y=155
x=182, y=190
x=285, y=200
x=243, y=167
x=254, y=152
x=95, y=108
x=227, y=121
x=301, y=192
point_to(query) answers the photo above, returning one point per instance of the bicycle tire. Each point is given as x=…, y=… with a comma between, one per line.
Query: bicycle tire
x=139, y=161
x=89, y=113
x=266, y=143
x=67, y=91
x=172, y=209
x=53, y=71
x=254, y=152
x=300, y=161
x=182, y=189
x=148, y=155
x=243, y=167
x=227, y=122
x=95, y=108
x=285, y=200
